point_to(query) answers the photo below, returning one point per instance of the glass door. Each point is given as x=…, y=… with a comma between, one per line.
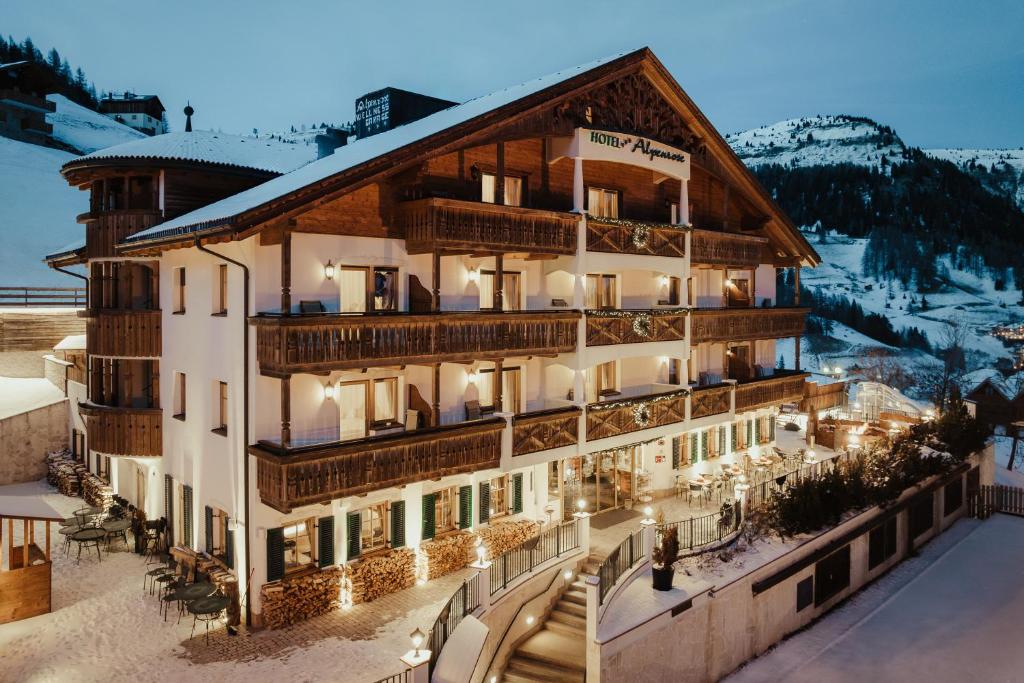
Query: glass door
x=352, y=282
x=352, y=406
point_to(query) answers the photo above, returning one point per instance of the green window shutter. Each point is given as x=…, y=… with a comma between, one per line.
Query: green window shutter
x=694, y=455
x=705, y=437
x=721, y=440
x=771, y=429
x=229, y=547
x=275, y=554
x=169, y=507
x=757, y=430
x=465, y=507
x=208, y=520
x=354, y=521
x=732, y=444
x=750, y=433
x=398, y=524
x=677, y=447
x=485, y=501
x=187, y=515
x=325, y=540
x=517, y=493
x=428, y=516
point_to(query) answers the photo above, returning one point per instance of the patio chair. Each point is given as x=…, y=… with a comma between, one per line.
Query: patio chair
x=314, y=306
x=152, y=574
x=170, y=596
x=695, y=490
x=153, y=530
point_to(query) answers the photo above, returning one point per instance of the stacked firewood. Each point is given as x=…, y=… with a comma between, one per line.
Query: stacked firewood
x=504, y=536
x=96, y=493
x=372, y=577
x=292, y=600
x=448, y=554
x=67, y=475
x=189, y=561
x=54, y=460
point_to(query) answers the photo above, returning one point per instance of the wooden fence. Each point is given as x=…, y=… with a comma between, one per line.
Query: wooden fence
x=73, y=297
x=986, y=500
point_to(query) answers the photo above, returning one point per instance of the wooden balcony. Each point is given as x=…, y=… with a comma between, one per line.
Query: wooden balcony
x=783, y=387
x=612, y=418
x=635, y=237
x=110, y=227
x=319, y=343
x=123, y=333
x=818, y=397
x=710, y=400
x=123, y=431
x=291, y=478
x=452, y=225
x=631, y=327
x=710, y=247
x=543, y=430
x=744, y=324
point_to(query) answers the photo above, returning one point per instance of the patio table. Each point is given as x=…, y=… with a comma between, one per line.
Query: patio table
x=88, y=537
x=117, y=527
x=83, y=514
x=195, y=591
x=207, y=609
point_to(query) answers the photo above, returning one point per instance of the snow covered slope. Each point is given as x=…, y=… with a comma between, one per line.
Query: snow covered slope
x=1001, y=171
x=37, y=213
x=825, y=139
x=84, y=129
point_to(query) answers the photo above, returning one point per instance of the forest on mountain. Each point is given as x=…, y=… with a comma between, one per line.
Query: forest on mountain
x=74, y=83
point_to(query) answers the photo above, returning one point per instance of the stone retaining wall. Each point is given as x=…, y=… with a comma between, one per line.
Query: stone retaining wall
x=27, y=437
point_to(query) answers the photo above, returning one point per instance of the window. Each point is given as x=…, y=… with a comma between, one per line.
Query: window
x=674, y=287
x=385, y=400
x=600, y=291
x=299, y=545
x=222, y=408
x=675, y=371
x=221, y=304
x=218, y=543
x=499, y=496
x=832, y=575
x=804, y=593
x=953, y=496
x=385, y=289
x=511, y=389
x=373, y=528
x=602, y=203
x=103, y=467
x=601, y=381
x=445, y=506
x=179, y=395
x=179, y=290
x=921, y=516
x=511, y=290
x=513, y=189
x=882, y=542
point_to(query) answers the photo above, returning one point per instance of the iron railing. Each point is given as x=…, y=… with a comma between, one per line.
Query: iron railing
x=401, y=677
x=764, y=485
x=701, y=531
x=549, y=544
x=621, y=560
x=463, y=602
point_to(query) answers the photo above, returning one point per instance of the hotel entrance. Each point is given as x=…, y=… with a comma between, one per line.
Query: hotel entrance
x=604, y=481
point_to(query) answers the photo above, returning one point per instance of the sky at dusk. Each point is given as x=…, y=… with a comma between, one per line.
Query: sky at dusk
x=942, y=73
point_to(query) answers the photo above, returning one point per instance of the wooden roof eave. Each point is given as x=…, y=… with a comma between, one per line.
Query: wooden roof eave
x=83, y=171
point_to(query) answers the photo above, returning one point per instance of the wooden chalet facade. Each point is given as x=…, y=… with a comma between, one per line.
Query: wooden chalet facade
x=492, y=312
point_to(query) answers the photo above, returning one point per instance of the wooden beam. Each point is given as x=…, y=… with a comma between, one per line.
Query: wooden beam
x=498, y=385
x=499, y=179
x=435, y=299
x=796, y=285
x=286, y=411
x=499, y=279
x=286, y=272
x=436, y=397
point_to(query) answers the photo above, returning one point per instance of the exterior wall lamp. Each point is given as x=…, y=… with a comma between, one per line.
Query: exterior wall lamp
x=329, y=391
x=329, y=270
x=474, y=275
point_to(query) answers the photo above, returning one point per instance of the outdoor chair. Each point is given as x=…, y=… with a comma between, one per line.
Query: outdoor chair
x=314, y=306
x=154, y=529
x=695, y=490
x=152, y=574
x=171, y=596
x=166, y=579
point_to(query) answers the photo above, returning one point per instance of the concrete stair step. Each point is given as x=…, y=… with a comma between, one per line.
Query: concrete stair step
x=563, y=628
x=578, y=597
x=571, y=608
x=578, y=623
x=520, y=670
x=555, y=649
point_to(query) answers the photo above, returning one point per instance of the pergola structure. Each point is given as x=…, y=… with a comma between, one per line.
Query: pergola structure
x=25, y=570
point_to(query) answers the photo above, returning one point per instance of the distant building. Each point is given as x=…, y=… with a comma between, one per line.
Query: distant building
x=144, y=113
x=999, y=400
x=23, y=103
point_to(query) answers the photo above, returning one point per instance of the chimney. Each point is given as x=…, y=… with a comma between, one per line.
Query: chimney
x=330, y=140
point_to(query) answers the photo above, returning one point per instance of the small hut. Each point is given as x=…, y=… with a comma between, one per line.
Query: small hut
x=25, y=570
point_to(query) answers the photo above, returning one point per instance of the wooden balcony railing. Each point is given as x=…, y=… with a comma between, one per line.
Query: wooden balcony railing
x=783, y=387
x=123, y=333
x=291, y=478
x=635, y=237
x=631, y=327
x=543, y=430
x=123, y=431
x=110, y=227
x=461, y=226
x=710, y=247
x=819, y=397
x=612, y=418
x=298, y=343
x=741, y=324
x=710, y=400
x=27, y=101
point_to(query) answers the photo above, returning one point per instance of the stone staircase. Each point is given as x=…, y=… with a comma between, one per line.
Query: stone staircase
x=558, y=651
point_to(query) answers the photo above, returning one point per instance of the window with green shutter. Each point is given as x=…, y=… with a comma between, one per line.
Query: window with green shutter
x=732, y=436
x=750, y=432
x=465, y=507
x=398, y=524
x=229, y=546
x=353, y=530
x=485, y=501
x=771, y=429
x=275, y=554
x=757, y=431
x=517, y=493
x=428, y=516
x=721, y=440
x=169, y=507
x=704, y=438
x=186, y=499
x=677, y=448
x=325, y=540
x=694, y=453
x=208, y=524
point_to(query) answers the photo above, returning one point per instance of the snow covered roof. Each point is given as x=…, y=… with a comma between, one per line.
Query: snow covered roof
x=210, y=147
x=66, y=250
x=1009, y=387
x=73, y=342
x=356, y=153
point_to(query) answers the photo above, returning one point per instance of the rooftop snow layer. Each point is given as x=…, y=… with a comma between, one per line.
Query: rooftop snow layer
x=211, y=147
x=359, y=152
x=73, y=342
x=85, y=129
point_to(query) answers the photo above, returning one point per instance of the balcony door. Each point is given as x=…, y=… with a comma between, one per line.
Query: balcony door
x=511, y=389
x=739, y=362
x=511, y=291
x=600, y=291
x=353, y=284
x=352, y=400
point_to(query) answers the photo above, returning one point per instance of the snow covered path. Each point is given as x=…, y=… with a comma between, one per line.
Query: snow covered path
x=950, y=614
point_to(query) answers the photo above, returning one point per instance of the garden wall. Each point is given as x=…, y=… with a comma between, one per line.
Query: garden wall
x=27, y=437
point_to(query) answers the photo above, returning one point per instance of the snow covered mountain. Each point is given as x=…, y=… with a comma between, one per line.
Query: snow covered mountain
x=1000, y=171
x=85, y=130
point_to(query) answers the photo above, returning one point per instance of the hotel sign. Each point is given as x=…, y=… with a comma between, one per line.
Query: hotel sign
x=625, y=148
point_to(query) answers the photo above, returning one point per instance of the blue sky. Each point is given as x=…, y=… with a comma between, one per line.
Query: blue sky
x=942, y=73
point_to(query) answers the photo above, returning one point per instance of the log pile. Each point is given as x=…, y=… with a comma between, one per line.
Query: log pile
x=372, y=577
x=67, y=476
x=296, y=599
x=54, y=460
x=189, y=561
x=96, y=492
x=504, y=536
x=448, y=554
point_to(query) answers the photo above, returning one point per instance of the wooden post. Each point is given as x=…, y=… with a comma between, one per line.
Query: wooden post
x=499, y=279
x=436, y=398
x=796, y=351
x=435, y=299
x=47, y=540
x=286, y=411
x=796, y=285
x=24, y=543
x=286, y=272
x=498, y=388
x=499, y=179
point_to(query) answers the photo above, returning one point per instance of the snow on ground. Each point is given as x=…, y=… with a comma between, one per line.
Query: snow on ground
x=21, y=394
x=85, y=129
x=37, y=213
x=950, y=614
x=1005, y=477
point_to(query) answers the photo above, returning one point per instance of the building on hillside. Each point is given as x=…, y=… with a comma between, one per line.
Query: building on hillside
x=998, y=400
x=23, y=104
x=870, y=401
x=144, y=113
x=559, y=295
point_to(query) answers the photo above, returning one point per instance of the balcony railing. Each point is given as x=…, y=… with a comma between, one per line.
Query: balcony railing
x=710, y=247
x=293, y=477
x=123, y=333
x=709, y=400
x=545, y=429
x=744, y=324
x=612, y=418
x=630, y=327
x=461, y=226
x=123, y=431
x=819, y=397
x=300, y=343
x=783, y=387
x=635, y=237
x=110, y=227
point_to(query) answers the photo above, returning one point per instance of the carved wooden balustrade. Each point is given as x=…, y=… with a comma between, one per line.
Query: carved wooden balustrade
x=123, y=431
x=710, y=400
x=631, y=327
x=819, y=397
x=611, y=418
x=542, y=430
x=635, y=237
x=123, y=333
x=304, y=343
x=293, y=477
x=456, y=225
x=783, y=387
x=710, y=247
x=111, y=227
x=742, y=324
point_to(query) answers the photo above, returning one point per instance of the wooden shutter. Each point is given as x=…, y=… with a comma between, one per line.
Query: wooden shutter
x=517, y=493
x=169, y=507
x=677, y=447
x=208, y=523
x=757, y=431
x=694, y=455
x=354, y=530
x=229, y=545
x=428, y=516
x=465, y=507
x=485, y=501
x=771, y=429
x=721, y=441
x=750, y=433
x=325, y=540
x=275, y=554
x=186, y=515
x=732, y=444
x=398, y=524
x=704, y=439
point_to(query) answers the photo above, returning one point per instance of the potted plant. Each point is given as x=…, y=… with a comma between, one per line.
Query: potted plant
x=663, y=557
